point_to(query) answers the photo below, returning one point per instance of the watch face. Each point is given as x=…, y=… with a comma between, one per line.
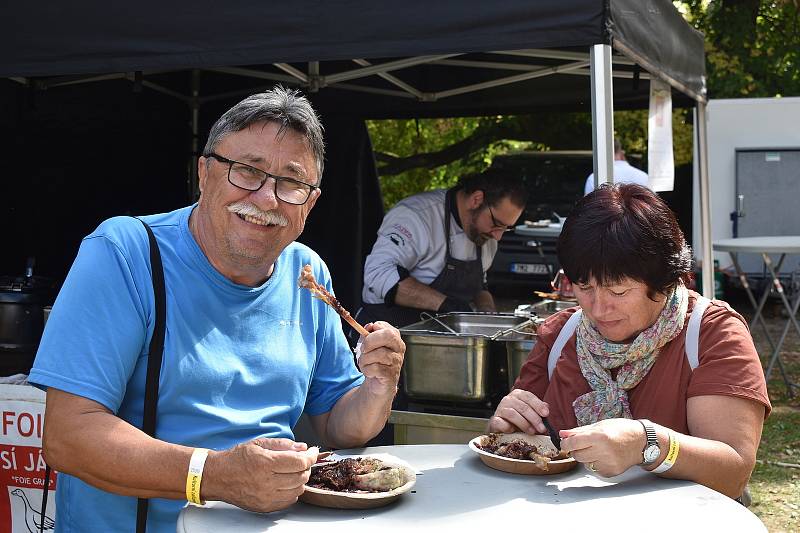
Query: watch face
x=651, y=453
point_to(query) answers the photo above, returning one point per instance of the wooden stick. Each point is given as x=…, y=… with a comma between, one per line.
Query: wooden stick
x=307, y=281
x=356, y=326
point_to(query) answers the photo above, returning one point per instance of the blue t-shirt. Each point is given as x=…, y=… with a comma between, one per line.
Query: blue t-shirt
x=239, y=362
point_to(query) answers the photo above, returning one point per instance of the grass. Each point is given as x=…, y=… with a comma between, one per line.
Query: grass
x=775, y=488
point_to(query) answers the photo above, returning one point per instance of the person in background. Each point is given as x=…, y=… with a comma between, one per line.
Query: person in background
x=434, y=248
x=644, y=372
x=624, y=172
x=245, y=353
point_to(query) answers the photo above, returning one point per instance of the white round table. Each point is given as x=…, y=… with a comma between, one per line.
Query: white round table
x=456, y=492
x=786, y=244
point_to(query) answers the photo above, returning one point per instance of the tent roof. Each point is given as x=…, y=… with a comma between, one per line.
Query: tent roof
x=378, y=59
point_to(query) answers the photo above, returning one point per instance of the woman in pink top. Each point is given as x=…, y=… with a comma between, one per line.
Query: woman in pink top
x=626, y=377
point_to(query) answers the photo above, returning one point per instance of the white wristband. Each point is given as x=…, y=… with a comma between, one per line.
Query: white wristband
x=672, y=455
x=195, y=475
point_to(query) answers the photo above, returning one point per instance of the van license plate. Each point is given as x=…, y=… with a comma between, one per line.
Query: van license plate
x=529, y=268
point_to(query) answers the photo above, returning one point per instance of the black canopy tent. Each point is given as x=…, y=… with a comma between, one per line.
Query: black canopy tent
x=356, y=60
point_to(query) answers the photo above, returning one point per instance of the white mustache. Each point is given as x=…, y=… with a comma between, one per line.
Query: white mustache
x=248, y=209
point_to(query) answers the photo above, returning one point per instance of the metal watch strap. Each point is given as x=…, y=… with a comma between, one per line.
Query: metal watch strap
x=651, y=436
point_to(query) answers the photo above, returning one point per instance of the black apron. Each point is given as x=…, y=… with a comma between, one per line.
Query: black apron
x=458, y=279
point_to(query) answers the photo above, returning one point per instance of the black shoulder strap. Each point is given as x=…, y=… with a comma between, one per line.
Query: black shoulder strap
x=45, y=490
x=154, y=359
x=153, y=371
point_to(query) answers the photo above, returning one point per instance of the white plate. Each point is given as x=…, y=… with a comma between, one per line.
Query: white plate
x=360, y=500
x=522, y=466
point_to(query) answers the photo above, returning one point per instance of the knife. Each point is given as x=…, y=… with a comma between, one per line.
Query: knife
x=553, y=433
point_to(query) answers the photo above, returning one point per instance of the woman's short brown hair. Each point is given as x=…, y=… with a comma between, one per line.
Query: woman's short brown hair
x=624, y=231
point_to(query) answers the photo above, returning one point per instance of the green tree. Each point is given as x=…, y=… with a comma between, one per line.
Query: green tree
x=752, y=46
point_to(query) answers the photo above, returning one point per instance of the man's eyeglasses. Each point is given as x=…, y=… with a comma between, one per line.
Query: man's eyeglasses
x=251, y=178
x=496, y=224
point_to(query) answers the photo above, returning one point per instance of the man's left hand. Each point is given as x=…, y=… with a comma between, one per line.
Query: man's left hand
x=381, y=358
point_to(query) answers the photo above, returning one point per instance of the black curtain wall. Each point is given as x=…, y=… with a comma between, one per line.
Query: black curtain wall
x=343, y=224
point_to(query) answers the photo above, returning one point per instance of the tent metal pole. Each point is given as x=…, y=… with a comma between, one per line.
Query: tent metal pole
x=194, y=105
x=602, y=114
x=529, y=67
x=392, y=79
x=707, y=272
x=559, y=54
x=548, y=71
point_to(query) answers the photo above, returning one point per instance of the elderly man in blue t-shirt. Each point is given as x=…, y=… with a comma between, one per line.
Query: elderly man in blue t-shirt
x=245, y=350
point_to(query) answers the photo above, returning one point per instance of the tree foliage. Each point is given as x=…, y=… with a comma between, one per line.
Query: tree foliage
x=752, y=46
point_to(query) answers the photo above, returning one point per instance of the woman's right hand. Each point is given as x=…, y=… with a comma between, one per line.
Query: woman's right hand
x=520, y=410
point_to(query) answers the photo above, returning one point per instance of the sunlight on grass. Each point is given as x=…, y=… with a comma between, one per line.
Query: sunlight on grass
x=775, y=488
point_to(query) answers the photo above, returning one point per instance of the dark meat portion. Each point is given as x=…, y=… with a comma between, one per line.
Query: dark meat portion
x=341, y=475
x=517, y=449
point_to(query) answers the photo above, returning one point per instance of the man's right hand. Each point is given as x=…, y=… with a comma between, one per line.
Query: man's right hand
x=260, y=475
x=520, y=410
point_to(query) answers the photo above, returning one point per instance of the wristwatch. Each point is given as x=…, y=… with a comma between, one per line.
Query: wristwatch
x=651, y=451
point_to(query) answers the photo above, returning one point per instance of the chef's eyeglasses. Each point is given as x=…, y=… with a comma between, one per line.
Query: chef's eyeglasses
x=496, y=224
x=252, y=179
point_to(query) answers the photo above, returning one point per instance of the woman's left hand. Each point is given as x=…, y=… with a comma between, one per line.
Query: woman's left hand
x=608, y=447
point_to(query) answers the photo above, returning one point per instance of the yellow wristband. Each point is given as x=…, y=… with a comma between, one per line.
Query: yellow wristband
x=195, y=475
x=672, y=455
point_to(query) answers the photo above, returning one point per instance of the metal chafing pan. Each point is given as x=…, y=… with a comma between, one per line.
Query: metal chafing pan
x=518, y=347
x=447, y=356
x=551, y=307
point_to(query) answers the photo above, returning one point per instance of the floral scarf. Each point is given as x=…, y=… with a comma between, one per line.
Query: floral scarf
x=597, y=356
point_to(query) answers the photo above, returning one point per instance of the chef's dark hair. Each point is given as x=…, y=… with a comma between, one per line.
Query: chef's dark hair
x=496, y=184
x=624, y=231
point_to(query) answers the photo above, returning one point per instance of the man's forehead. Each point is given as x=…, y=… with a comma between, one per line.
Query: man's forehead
x=255, y=146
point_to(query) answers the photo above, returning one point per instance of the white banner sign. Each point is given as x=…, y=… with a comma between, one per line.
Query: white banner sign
x=660, y=162
x=21, y=462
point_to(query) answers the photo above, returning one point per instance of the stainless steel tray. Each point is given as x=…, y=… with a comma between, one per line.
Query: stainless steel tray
x=447, y=356
x=551, y=307
x=465, y=324
x=518, y=347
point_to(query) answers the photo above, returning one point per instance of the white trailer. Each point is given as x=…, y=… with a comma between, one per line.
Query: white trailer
x=754, y=174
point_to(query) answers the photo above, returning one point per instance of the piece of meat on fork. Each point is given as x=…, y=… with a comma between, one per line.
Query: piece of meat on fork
x=307, y=281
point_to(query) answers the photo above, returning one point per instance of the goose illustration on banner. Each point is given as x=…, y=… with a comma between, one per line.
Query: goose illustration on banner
x=33, y=518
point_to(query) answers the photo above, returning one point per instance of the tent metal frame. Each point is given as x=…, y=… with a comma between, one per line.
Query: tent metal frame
x=598, y=63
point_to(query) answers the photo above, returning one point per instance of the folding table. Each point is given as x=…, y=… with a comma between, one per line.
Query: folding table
x=783, y=245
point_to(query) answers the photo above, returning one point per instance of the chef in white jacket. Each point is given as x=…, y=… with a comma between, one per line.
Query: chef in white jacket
x=434, y=248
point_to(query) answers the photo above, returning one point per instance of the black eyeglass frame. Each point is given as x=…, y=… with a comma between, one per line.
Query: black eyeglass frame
x=267, y=175
x=496, y=224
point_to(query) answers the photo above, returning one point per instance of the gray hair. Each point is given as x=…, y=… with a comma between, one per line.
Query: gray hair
x=287, y=107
